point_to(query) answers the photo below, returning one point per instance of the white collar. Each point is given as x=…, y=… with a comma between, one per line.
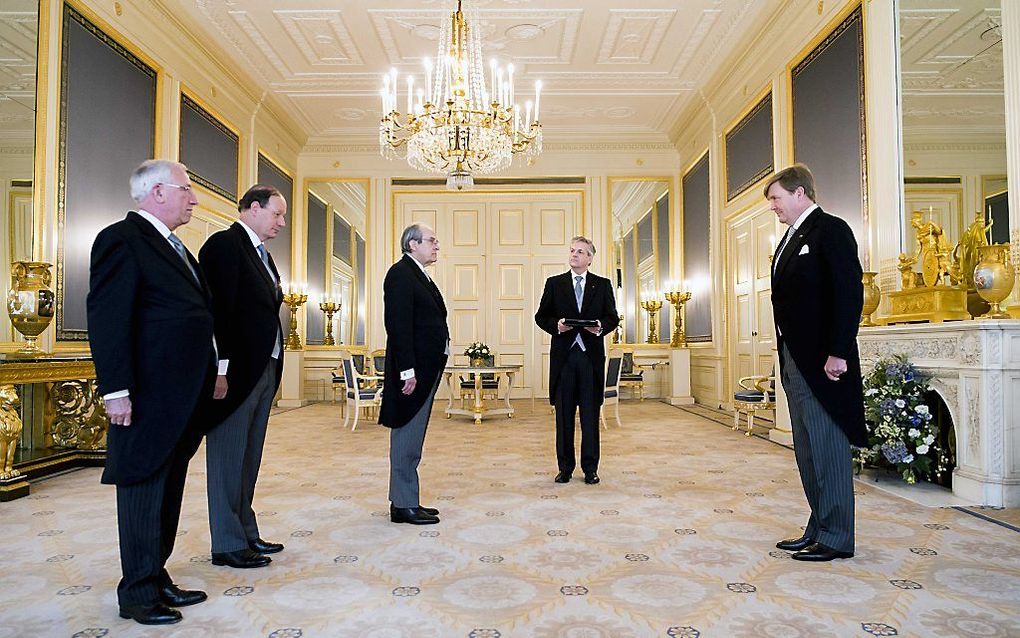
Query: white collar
x=800, y=220
x=583, y=276
x=251, y=234
x=418, y=263
x=163, y=229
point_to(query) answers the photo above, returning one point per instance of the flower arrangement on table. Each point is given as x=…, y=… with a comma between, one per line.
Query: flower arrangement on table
x=477, y=351
x=901, y=430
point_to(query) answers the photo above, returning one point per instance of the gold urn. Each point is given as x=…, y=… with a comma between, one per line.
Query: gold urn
x=30, y=302
x=872, y=297
x=993, y=278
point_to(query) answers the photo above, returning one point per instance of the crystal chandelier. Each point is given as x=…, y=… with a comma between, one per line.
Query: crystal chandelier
x=458, y=124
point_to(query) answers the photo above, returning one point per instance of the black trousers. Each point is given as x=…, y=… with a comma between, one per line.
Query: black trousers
x=575, y=393
x=148, y=513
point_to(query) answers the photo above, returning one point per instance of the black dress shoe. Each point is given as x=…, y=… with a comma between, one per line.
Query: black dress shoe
x=429, y=510
x=241, y=559
x=412, y=515
x=795, y=544
x=173, y=596
x=819, y=553
x=155, y=614
x=260, y=546
x=562, y=477
x=592, y=479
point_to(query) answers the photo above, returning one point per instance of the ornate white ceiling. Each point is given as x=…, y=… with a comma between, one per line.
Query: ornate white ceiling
x=951, y=61
x=612, y=71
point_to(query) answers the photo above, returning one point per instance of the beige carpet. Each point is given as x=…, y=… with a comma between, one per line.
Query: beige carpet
x=677, y=541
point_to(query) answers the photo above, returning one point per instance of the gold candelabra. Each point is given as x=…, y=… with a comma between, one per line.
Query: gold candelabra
x=652, y=306
x=618, y=331
x=294, y=300
x=678, y=299
x=330, y=308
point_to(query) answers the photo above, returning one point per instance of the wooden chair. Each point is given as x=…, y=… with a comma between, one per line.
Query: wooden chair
x=490, y=383
x=611, y=393
x=632, y=376
x=363, y=391
x=756, y=393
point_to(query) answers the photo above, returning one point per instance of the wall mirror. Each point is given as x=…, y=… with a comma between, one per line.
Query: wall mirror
x=642, y=231
x=336, y=266
x=954, y=116
x=19, y=22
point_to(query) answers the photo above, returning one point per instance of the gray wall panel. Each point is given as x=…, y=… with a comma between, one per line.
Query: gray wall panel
x=749, y=149
x=209, y=149
x=342, y=240
x=697, y=239
x=269, y=173
x=316, y=269
x=630, y=312
x=107, y=130
x=828, y=107
x=663, y=257
x=362, y=274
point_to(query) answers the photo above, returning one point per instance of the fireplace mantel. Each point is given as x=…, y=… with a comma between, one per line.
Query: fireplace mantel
x=975, y=368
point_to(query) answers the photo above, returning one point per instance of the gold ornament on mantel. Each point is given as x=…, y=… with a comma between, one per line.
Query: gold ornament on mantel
x=30, y=302
x=935, y=297
x=872, y=297
x=652, y=307
x=993, y=278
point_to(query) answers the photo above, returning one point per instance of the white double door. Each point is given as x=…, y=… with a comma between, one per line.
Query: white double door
x=496, y=251
x=751, y=238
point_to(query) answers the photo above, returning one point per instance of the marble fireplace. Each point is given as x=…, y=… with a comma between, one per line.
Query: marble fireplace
x=975, y=368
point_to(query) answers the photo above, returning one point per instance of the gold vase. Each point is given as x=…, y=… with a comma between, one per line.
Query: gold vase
x=30, y=301
x=993, y=278
x=477, y=362
x=872, y=296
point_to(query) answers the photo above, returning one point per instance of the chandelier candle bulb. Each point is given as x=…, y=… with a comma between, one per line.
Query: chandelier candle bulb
x=410, y=92
x=510, y=84
x=527, y=114
x=538, y=97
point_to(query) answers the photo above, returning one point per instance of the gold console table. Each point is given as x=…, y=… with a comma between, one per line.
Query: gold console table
x=51, y=419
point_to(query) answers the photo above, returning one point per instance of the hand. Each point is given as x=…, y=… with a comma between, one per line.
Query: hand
x=409, y=386
x=834, y=367
x=220, y=390
x=119, y=411
x=596, y=329
x=562, y=327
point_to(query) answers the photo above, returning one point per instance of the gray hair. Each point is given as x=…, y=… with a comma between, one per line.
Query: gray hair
x=411, y=233
x=149, y=173
x=581, y=239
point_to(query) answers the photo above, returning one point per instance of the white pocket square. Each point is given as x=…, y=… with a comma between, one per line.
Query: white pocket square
x=804, y=250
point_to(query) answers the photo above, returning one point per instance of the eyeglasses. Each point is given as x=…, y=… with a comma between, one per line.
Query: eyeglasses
x=431, y=240
x=183, y=187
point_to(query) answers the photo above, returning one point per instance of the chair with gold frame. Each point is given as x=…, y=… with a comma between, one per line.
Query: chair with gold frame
x=364, y=392
x=755, y=393
x=378, y=361
x=632, y=375
x=611, y=393
x=490, y=384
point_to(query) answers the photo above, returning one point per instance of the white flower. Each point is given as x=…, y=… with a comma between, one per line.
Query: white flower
x=921, y=409
x=913, y=433
x=900, y=403
x=870, y=392
x=928, y=440
x=922, y=449
x=908, y=458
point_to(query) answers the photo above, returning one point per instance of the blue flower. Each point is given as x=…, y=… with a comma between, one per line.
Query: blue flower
x=895, y=452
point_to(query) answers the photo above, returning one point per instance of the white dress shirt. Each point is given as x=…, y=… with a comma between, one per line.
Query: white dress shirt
x=224, y=364
x=409, y=373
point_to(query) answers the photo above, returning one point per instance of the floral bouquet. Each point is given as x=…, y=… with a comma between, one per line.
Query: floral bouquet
x=901, y=431
x=477, y=350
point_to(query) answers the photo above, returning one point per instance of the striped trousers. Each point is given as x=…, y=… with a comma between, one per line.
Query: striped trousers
x=824, y=460
x=148, y=513
x=405, y=453
x=233, y=456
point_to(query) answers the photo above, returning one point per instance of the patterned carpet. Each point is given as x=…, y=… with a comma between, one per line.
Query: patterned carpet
x=677, y=541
